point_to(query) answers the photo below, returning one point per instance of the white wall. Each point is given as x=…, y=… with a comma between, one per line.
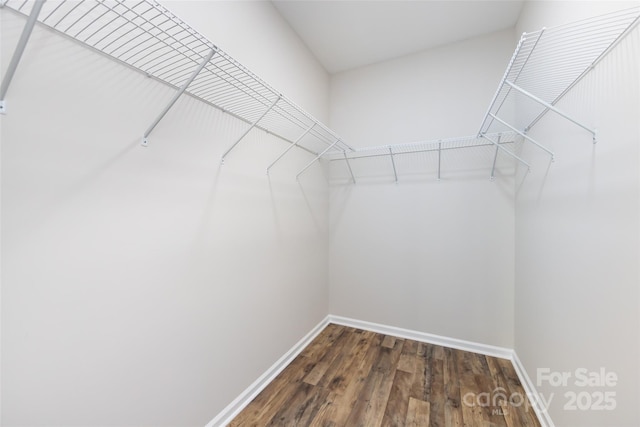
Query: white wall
x=577, y=234
x=145, y=286
x=422, y=254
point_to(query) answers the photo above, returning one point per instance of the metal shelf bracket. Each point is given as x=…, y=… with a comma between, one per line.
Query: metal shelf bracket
x=522, y=134
x=346, y=159
x=317, y=158
x=393, y=163
x=295, y=144
x=548, y=107
x=439, y=157
x=500, y=147
x=177, y=95
x=17, y=54
x=250, y=127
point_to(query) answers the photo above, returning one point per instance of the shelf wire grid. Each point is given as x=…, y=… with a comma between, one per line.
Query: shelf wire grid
x=549, y=62
x=410, y=158
x=147, y=37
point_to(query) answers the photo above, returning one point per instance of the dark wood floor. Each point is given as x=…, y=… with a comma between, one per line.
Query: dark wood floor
x=350, y=377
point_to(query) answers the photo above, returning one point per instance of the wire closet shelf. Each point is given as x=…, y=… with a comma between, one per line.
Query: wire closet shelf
x=144, y=35
x=147, y=37
x=546, y=65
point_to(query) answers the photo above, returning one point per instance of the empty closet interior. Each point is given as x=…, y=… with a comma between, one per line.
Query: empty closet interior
x=187, y=193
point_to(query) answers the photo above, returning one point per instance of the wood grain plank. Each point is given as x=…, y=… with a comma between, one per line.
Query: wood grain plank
x=437, y=397
x=452, y=410
x=343, y=404
x=301, y=407
x=417, y=413
x=389, y=341
x=515, y=386
x=267, y=403
x=328, y=358
x=395, y=413
x=472, y=414
x=350, y=348
x=420, y=388
x=349, y=377
x=370, y=406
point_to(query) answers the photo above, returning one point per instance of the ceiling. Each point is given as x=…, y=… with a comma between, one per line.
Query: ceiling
x=346, y=34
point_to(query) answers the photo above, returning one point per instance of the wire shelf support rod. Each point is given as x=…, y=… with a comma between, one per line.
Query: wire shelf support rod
x=295, y=144
x=317, y=158
x=552, y=108
x=177, y=95
x=250, y=127
x=17, y=53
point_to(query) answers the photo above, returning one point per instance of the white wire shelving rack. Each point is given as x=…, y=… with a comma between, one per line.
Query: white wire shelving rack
x=439, y=148
x=145, y=36
x=546, y=65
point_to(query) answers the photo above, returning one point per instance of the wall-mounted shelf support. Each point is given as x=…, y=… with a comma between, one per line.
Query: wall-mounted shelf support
x=495, y=159
x=393, y=163
x=294, y=144
x=326, y=150
x=586, y=71
x=499, y=146
x=439, y=157
x=17, y=54
x=548, y=106
x=250, y=127
x=522, y=134
x=547, y=64
x=346, y=159
x=438, y=147
x=177, y=95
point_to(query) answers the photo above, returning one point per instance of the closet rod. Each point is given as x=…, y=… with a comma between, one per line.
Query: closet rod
x=17, y=53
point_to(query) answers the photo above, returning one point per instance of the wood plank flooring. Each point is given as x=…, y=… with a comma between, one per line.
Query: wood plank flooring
x=350, y=377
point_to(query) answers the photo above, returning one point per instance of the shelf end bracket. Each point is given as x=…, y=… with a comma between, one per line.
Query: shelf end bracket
x=295, y=144
x=177, y=95
x=226, y=153
x=17, y=54
x=346, y=159
x=317, y=158
x=550, y=107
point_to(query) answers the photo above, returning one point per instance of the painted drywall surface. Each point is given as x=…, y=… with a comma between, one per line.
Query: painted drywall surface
x=268, y=49
x=438, y=93
x=577, y=245
x=143, y=286
x=422, y=254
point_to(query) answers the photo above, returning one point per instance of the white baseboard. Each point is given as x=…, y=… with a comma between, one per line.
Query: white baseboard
x=532, y=393
x=239, y=403
x=489, y=350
